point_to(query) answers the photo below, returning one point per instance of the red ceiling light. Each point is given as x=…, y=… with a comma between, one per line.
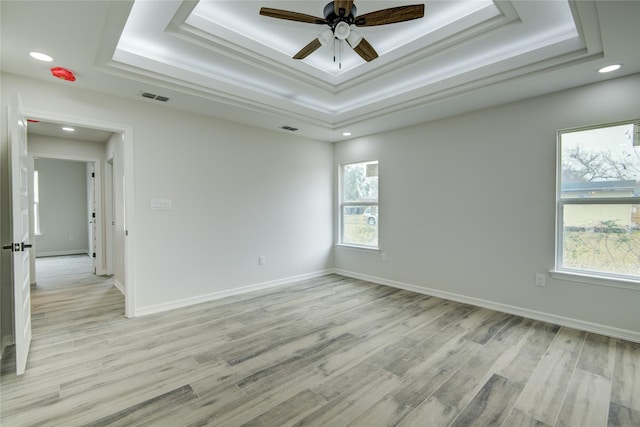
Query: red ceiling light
x=63, y=73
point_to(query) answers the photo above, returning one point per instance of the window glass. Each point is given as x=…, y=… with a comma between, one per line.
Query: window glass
x=359, y=204
x=599, y=201
x=594, y=238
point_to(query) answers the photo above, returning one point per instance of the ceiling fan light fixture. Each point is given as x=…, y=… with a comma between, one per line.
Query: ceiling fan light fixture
x=342, y=30
x=325, y=37
x=354, y=37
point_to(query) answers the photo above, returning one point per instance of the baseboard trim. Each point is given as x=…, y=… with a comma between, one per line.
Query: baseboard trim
x=61, y=253
x=158, y=308
x=505, y=308
x=118, y=285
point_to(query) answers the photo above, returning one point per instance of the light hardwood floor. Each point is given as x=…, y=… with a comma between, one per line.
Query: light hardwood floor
x=331, y=351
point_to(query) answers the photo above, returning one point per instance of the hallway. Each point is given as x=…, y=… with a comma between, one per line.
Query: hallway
x=67, y=295
x=67, y=300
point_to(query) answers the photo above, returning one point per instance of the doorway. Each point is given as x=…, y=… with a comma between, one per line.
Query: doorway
x=65, y=209
x=113, y=196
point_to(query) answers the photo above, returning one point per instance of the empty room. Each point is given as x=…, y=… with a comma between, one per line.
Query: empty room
x=361, y=213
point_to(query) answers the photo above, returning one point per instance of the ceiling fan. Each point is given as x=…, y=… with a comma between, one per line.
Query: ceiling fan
x=342, y=18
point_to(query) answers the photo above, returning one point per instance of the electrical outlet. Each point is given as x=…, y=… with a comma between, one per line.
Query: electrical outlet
x=261, y=260
x=541, y=279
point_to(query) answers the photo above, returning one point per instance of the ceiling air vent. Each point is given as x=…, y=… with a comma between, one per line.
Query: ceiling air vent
x=154, y=96
x=289, y=128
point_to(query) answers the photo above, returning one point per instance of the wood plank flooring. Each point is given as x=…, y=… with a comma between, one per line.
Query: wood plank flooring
x=331, y=351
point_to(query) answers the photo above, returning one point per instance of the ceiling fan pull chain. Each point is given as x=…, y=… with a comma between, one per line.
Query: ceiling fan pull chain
x=334, y=49
x=340, y=56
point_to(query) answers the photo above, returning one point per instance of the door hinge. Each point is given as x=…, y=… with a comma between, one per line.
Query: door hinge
x=94, y=254
x=93, y=215
x=93, y=175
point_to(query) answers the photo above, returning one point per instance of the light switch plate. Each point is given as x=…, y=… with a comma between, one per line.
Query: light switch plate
x=160, y=204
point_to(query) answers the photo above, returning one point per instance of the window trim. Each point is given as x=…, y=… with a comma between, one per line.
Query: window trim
x=624, y=282
x=578, y=275
x=342, y=204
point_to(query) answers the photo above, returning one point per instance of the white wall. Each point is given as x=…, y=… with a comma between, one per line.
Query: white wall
x=6, y=285
x=237, y=192
x=467, y=204
x=63, y=207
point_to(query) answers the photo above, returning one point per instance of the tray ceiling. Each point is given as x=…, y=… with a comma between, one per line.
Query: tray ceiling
x=224, y=59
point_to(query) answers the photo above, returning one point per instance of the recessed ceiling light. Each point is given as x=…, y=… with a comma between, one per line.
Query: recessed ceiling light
x=346, y=133
x=609, y=68
x=41, y=56
x=68, y=129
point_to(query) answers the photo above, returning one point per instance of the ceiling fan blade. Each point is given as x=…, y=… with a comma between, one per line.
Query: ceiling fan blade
x=342, y=4
x=391, y=15
x=308, y=49
x=291, y=16
x=365, y=50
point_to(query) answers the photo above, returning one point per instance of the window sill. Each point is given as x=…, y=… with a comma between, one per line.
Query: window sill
x=358, y=248
x=594, y=279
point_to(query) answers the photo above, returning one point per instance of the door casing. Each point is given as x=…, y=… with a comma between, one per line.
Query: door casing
x=129, y=201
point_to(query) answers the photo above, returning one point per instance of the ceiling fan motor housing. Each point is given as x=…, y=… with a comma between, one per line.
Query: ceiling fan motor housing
x=333, y=19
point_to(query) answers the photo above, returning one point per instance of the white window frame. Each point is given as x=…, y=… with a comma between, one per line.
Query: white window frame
x=580, y=275
x=342, y=204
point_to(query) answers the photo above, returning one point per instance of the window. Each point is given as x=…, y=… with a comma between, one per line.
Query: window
x=36, y=204
x=598, y=231
x=359, y=204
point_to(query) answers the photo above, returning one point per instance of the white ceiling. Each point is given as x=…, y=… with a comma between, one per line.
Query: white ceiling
x=222, y=58
x=78, y=134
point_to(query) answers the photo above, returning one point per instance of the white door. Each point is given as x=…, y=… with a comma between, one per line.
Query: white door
x=109, y=220
x=20, y=232
x=91, y=187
